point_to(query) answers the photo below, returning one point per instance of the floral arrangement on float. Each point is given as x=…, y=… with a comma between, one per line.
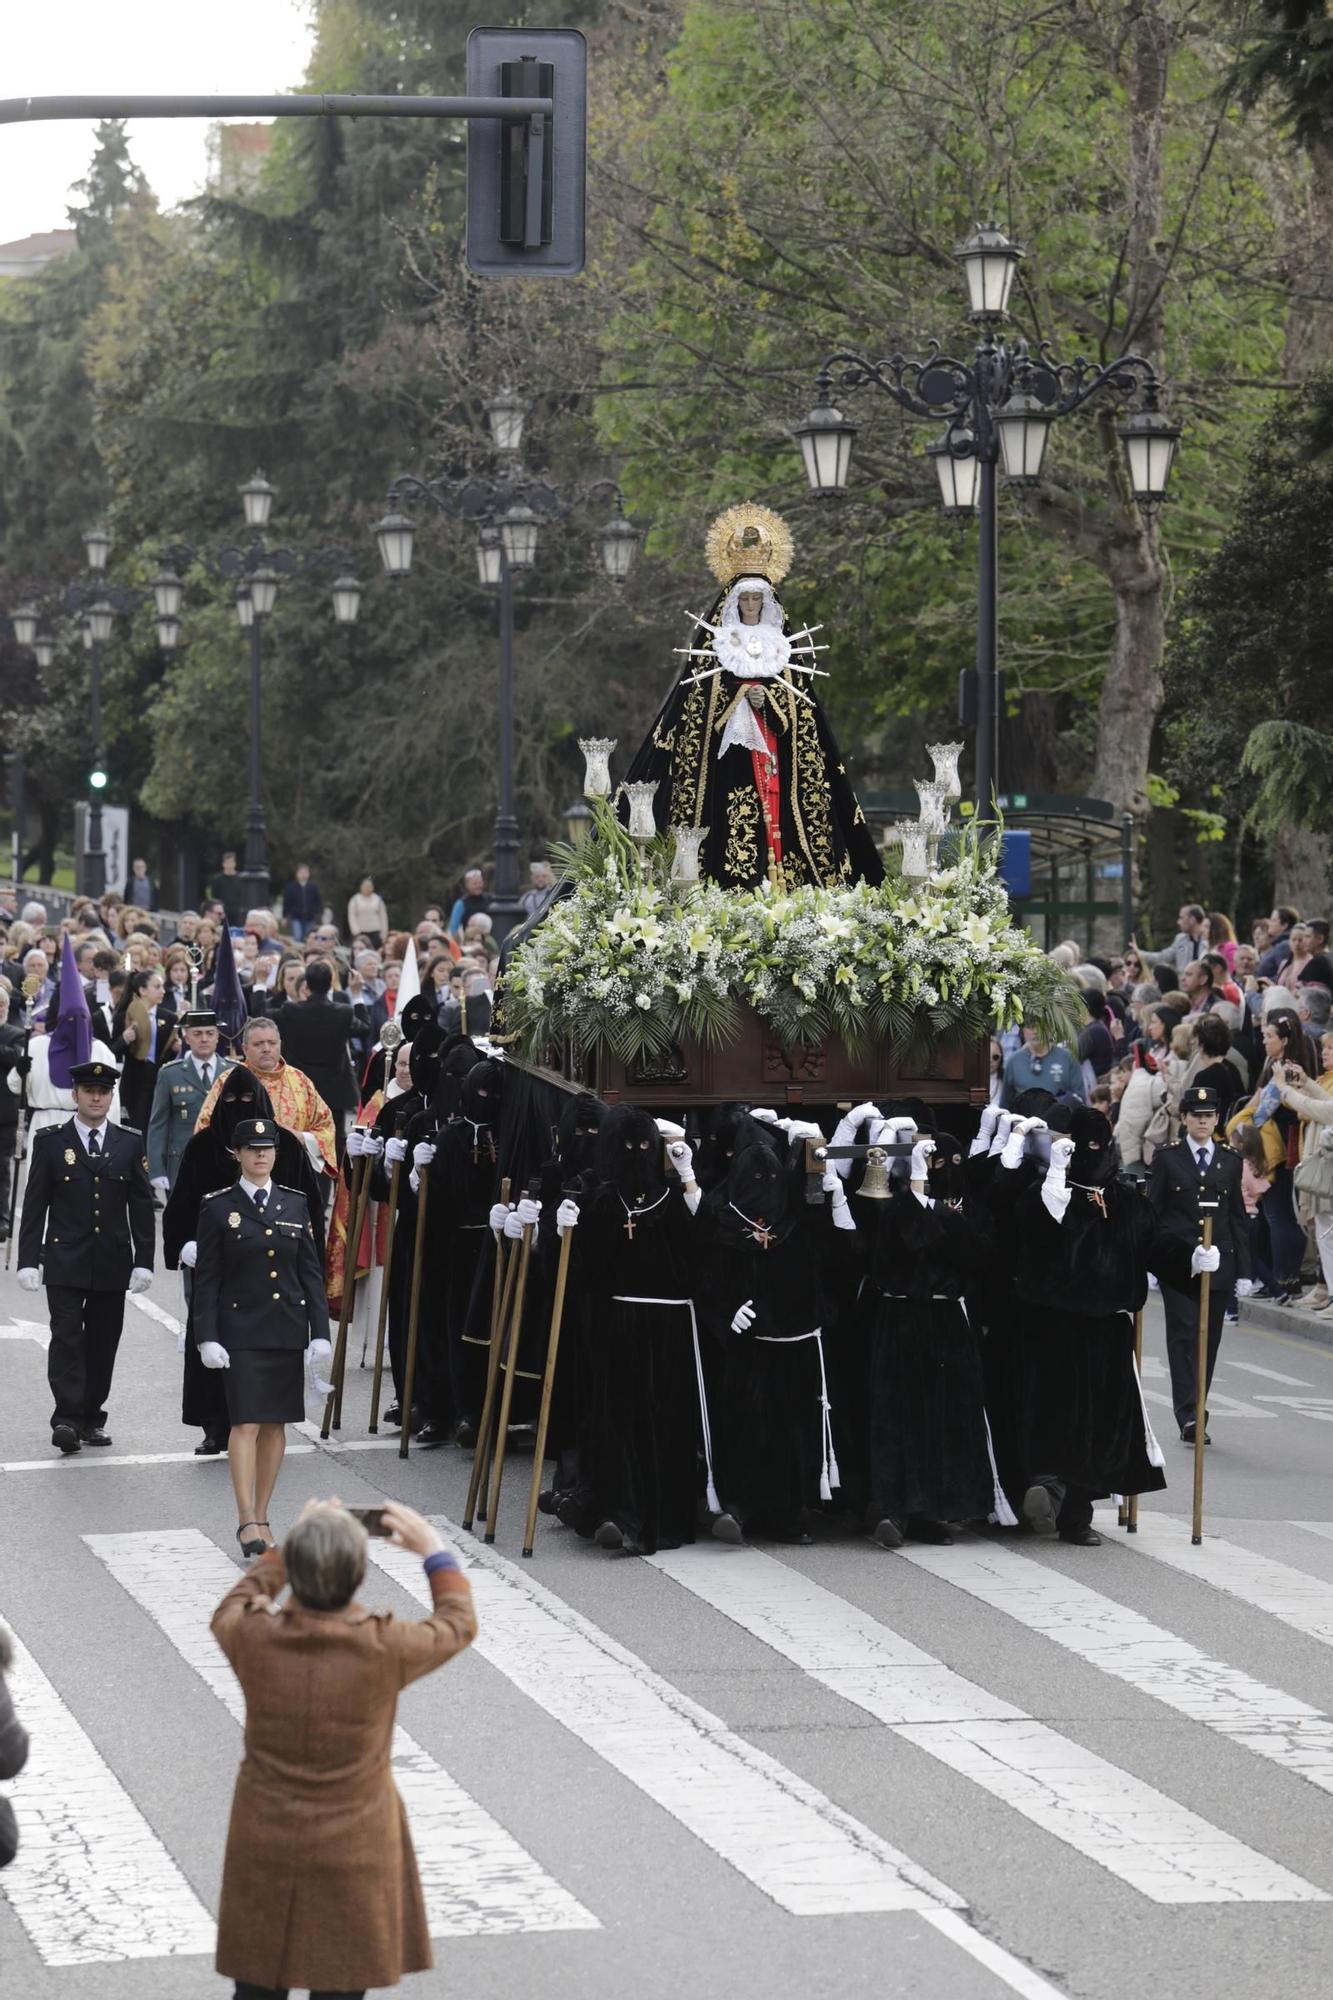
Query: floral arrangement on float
x=639, y=955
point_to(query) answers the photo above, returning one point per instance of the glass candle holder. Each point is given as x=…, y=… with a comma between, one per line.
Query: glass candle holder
x=642, y=825
x=944, y=756
x=934, y=806
x=597, y=765
x=915, y=843
x=685, y=863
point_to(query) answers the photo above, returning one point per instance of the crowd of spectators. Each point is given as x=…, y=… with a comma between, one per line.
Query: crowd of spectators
x=1251, y=1021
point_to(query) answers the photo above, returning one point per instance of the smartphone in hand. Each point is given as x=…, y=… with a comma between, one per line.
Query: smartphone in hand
x=371, y=1519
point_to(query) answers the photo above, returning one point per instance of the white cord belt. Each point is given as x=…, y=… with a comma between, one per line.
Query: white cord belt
x=829, y=1476
x=629, y=1299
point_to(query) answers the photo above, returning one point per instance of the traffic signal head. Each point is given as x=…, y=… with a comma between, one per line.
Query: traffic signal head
x=525, y=178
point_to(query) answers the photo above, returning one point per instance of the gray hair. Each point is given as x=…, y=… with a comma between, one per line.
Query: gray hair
x=254, y=1021
x=325, y=1554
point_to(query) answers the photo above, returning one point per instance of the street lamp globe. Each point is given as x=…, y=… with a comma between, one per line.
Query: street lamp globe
x=394, y=533
x=990, y=261
x=518, y=532
x=490, y=557
x=45, y=650
x=505, y=413
x=245, y=607
x=168, y=592
x=25, y=624
x=1024, y=425
x=825, y=439
x=578, y=822
x=86, y=634
x=346, y=599
x=263, y=590
x=168, y=634
x=1150, y=439
x=257, y=499
x=101, y=620
x=97, y=547
x=958, y=469
x=97, y=776
x=620, y=543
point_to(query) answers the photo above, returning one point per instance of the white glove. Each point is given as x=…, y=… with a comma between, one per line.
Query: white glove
x=990, y=1118
x=498, y=1217
x=1062, y=1152
x=1246, y=1287
x=525, y=1215
x=30, y=1279
x=745, y=1317
x=1012, y=1155
x=356, y=1142
x=764, y=1115
x=414, y=1181
x=312, y=1146
x=190, y=1254
x=1002, y=1131
x=423, y=1153
x=319, y=1355
x=837, y=1194
x=801, y=1128
x=681, y=1159
x=668, y=1130
x=162, y=1183
x=1056, y=1194
x=921, y=1153
x=140, y=1279
x=863, y=1114
x=372, y=1145
x=1204, y=1260
x=1035, y=1125
x=395, y=1152
x=844, y=1134
x=566, y=1216
x=213, y=1354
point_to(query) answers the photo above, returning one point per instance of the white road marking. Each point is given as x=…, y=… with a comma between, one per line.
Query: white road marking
x=1160, y=1848
x=91, y=1883
x=1029, y=1985
x=785, y=1837
x=1318, y=1408
x=1217, y=1404
x=1323, y=1528
x=1303, y=1602
x=1268, y=1374
x=476, y=1878
x=27, y=1329
x=151, y=1310
x=57, y=1461
x=1120, y=1642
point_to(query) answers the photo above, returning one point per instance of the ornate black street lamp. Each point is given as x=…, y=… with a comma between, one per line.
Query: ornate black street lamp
x=257, y=570
x=998, y=410
x=509, y=511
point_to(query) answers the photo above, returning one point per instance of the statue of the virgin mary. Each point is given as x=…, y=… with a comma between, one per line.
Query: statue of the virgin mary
x=741, y=746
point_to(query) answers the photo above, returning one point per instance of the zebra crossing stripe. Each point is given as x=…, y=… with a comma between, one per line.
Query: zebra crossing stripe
x=1289, y=1595
x=788, y=1839
x=476, y=1878
x=1119, y=1642
x=1126, y=1826
x=91, y=1883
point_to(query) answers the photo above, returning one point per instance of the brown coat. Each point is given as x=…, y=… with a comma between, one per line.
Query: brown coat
x=320, y=1886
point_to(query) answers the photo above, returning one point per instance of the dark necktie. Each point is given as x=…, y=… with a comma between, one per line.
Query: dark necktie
x=1202, y=1158
x=94, y=1146
x=208, y=1076
x=260, y=1197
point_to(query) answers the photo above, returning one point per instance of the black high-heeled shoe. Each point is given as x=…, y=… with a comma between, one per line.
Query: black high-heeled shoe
x=250, y=1549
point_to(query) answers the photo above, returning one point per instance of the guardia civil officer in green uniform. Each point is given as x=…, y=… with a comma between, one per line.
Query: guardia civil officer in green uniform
x=260, y=1313
x=178, y=1096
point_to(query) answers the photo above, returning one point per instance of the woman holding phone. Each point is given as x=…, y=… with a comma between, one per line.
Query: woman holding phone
x=320, y=1889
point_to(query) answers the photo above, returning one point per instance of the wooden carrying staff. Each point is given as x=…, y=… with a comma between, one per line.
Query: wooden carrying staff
x=358, y=1199
x=414, y=1310
x=1207, y=1209
x=509, y=1364
x=386, y=1272
x=501, y=1280
x=548, y=1383
x=1131, y=1522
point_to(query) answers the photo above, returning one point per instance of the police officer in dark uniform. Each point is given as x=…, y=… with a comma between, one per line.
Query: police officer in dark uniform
x=1197, y=1169
x=260, y=1313
x=88, y=1227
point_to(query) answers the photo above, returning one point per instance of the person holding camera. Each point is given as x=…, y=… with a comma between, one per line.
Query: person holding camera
x=260, y=1313
x=320, y=1888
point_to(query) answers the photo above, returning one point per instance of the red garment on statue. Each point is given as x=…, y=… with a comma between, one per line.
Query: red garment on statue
x=765, y=764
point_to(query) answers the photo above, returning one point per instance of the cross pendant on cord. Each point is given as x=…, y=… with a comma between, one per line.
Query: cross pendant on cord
x=760, y=1233
x=629, y=1227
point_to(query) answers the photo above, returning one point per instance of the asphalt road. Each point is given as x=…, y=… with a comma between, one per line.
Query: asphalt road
x=1002, y=1768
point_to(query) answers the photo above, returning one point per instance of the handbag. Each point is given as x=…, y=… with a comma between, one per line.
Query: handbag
x=9, y=1833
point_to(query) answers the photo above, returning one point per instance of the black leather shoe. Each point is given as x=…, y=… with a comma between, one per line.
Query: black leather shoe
x=934, y=1532
x=1082, y=1538
x=94, y=1436
x=210, y=1448
x=466, y=1434
x=66, y=1438
x=392, y=1417
x=1039, y=1510
x=887, y=1533
x=432, y=1433
x=726, y=1528
x=609, y=1536
x=1187, y=1433
x=251, y=1548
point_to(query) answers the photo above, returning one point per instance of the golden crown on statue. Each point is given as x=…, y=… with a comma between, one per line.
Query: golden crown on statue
x=749, y=541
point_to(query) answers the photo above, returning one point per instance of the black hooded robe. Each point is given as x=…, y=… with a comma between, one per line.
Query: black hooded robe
x=207, y=1165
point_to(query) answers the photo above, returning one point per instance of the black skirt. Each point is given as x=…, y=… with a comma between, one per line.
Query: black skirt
x=266, y=1385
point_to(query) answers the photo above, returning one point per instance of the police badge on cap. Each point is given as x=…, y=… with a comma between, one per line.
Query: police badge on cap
x=1199, y=1098
x=254, y=1132
x=100, y=1075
